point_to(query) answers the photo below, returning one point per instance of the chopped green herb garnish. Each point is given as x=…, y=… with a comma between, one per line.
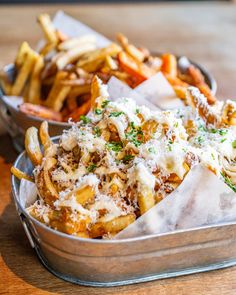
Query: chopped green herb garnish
x=137, y=111
x=105, y=103
x=223, y=140
x=229, y=182
x=234, y=144
x=127, y=158
x=223, y=131
x=200, y=139
x=91, y=167
x=202, y=128
x=114, y=146
x=116, y=114
x=85, y=119
x=220, y=131
x=151, y=150
x=176, y=124
x=169, y=147
x=98, y=111
x=97, y=131
x=213, y=157
x=135, y=135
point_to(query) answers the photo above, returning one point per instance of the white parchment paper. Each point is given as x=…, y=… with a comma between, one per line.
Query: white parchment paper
x=201, y=199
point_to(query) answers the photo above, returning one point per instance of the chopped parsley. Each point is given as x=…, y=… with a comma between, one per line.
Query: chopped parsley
x=234, y=144
x=220, y=131
x=223, y=140
x=91, y=167
x=85, y=119
x=116, y=114
x=152, y=150
x=105, y=103
x=127, y=158
x=176, y=124
x=137, y=111
x=202, y=128
x=200, y=139
x=135, y=135
x=114, y=146
x=228, y=181
x=213, y=157
x=97, y=131
x=98, y=111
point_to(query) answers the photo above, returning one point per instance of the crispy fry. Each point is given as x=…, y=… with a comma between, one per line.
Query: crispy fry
x=32, y=146
x=21, y=175
x=98, y=92
x=48, y=28
x=113, y=226
x=34, y=93
x=175, y=81
x=139, y=70
x=48, y=47
x=146, y=200
x=44, y=136
x=81, y=110
x=180, y=91
x=169, y=64
x=199, y=81
x=58, y=92
x=40, y=111
x=92, y=61
x=197, y=100
x=24, y=73
x=130, y=48
x=73, y=54
x=21, y=55
x=77, y=42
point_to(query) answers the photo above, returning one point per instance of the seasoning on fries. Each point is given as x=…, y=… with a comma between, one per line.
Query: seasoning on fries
x=55, y=80
x=122, y=159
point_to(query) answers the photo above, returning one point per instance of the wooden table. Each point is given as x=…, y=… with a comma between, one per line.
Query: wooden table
x=204, y=32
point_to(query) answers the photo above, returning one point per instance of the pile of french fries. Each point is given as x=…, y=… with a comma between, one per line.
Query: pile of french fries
x=55, y=82
x=113, y=158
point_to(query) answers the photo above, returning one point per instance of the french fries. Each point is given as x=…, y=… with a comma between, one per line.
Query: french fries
x=21, y=175
x=32, y=146
x=58, y=77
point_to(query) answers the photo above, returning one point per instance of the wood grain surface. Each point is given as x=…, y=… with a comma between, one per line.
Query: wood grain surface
x=205, y=32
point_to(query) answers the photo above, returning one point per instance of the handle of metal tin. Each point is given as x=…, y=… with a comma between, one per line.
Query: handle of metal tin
x=27, y=230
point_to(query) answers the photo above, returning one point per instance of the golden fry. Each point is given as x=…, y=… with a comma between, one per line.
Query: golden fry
x=48, y=28
x=130, y=49
x=92, y=61
x=73, y=54
x=21, y=55
x=169, y=64
x=24, y=73
x=34, y=92
x=146, y=200
x=21, y=175
x=76, y=42
x=58, y=92
x=44, y=136
x=32, y=146
x=113, y=226
x=40, y=111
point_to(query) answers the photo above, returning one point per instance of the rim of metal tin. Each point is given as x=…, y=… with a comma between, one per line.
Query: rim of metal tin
x=209, y=80
x=95, y=241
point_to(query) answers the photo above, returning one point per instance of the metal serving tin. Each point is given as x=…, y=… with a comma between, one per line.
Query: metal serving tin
x=107, y=263
x=17, y=122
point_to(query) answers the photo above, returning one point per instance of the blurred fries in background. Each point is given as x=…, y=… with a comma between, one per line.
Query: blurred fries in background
x=55, y=82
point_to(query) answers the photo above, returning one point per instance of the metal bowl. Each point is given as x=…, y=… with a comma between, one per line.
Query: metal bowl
x=121, y=262
x=17, y=122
